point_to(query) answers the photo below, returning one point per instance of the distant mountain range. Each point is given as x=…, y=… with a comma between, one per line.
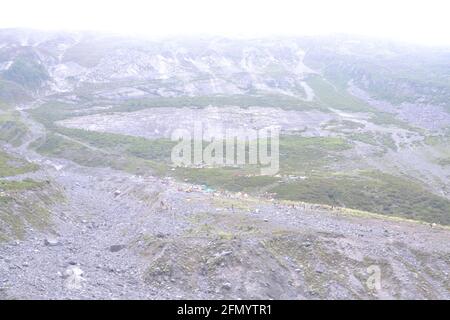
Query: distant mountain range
x=33, y=63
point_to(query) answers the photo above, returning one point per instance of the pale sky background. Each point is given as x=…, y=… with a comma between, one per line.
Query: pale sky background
x=418, y=21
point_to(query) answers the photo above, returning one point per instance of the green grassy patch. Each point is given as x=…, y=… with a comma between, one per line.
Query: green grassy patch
x=234, y=179
x=53, y=111
x=244, y=101
x=25, y=204
x=26, y=72
x=383, y=140
x=11, y=166
x=370, y=191
x=388, y=119
x=158, y=150
x=55, y=145
x=12, y=130
x=334, y=97
x=304, y=154
x=298, y=155
x=13, y=185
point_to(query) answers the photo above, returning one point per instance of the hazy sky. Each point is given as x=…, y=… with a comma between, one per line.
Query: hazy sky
x=420, y=21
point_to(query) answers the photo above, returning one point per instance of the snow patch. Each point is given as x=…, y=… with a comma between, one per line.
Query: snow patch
x=309, y=92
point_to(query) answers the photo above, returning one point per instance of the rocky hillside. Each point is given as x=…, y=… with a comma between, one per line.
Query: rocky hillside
x=91, y=206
